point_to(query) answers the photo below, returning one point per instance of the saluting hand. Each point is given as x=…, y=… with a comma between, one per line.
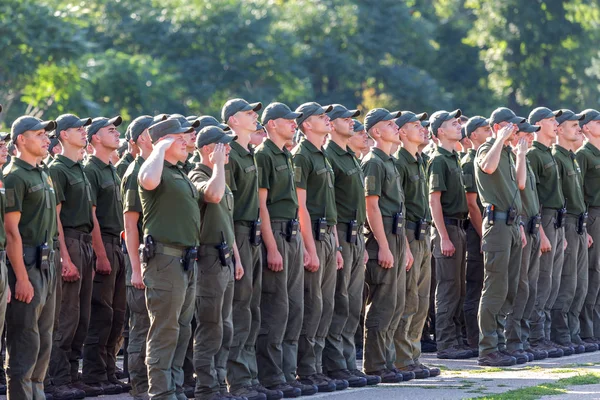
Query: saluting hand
x=522, y=146
x=24, y=291
x=506, y=131
x=218, y=155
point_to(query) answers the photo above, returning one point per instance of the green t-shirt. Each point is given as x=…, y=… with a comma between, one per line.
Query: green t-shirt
x=313, y=173
x=130, y=191
x=217, y=218
x=499, y=188
x=588, y=158
x=349, y=184
x=570, y=174
x=73, y=191
x=445, y=176
x=29, y=190
x=468, y=171
x=549, y=186
x=242, y=179
x=171, y=212
x=123, y=163
x=382, y=179
x=276, y=173
x=529, y=197
x=106, y=195
x=414, y=184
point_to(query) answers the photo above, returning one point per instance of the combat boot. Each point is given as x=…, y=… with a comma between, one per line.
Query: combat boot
x=496, y=359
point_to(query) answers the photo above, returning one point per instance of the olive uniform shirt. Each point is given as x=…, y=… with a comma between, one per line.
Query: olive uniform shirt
x=414, y=184
x=123, y=164
x=382, y=179
x=313, y=173
x=242, y=179
x=217, y=218
x=276, y=173
x=529, y=196
x=74, y=190
x=29, y=190
x=588, y=158
x=171, y=213
x=132, y=203
x=571, y=180
x=349, y=184
x=445, y=176
x=544, y=167
x=467, y=164
x=106, y=194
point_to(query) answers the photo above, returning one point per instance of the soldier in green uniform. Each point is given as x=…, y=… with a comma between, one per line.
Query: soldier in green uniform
x=477, y=129
x=108, y=293
x=358, y=142
x=188, y=165
x=282, y=294
x=130, y=154
x=4, y=288
x=53, y=149
x=385, y=245
x=499, y=180
x=313, y=177
x=449, y=210
x=139, y=323
x=588, y=158
x=75, y=222
x=551, y=199
x=217, y=258
x=517, y=320
x=242, y=179
x=30, y=222
x=171, y=228
x=411, y=167
x=565, y=328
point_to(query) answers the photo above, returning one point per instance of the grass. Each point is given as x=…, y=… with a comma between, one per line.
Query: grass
x=562, y=370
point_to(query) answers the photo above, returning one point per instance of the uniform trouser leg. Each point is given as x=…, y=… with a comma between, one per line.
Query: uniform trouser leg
x=250, y=347
x=86, y=272
x=327, y=253
x=573, y=263
x=188, y=362
x=245, y=313
x=281, y=305
x=407, y=340
x=524, y=299
x=400, y=259
x=340, y=339
x=501, y=245
x=544, y=284
x=68, y=312
x=214, y=331
x=29, y=336
x=450, y=288
x=590, y=316
x=534, y=273
x=474, y=285
x=580, y=291
x=381, y=303
x=170, y=294
x=139, y=323
x=57, y=270
x=3, y=304
x=557, y=266
x=108, y=309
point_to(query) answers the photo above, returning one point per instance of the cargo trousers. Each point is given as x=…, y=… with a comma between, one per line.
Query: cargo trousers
x=590, y=314
x=474, y=285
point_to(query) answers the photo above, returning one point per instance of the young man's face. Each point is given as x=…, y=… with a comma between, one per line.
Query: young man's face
x=34, y=142
x=343, y=126
x=569, y=130
x=450, y=130
x=592, y=129
x=245, y=120
x=388, y=131
x=319, y=124
x=549, y=126
x=359, y=141
x=75, y=136
x=178, y=149
x=108, y=137
x=411, y=132
x=3, y=152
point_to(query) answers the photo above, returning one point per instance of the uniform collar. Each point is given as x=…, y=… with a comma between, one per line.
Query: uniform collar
x=99, y=162
x=309, y=146
x=239, y=148
x=562, y=150
x=540, y=146
x=407, y=156
x=204, y=168
x=128, y=157
x=447, y=153
x=139, y=159
x=331, y=145
x=66, y=160
x=271, y=145
x=379, y=153
x=23, y=164
x=592, y=148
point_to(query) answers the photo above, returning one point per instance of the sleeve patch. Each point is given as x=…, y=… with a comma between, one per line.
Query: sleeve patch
x=370, y=183
x=434, y=180
x=10, y=197
x=297, y=174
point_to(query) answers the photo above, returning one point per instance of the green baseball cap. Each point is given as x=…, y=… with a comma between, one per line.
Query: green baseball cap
x=358, y=126
x=474, y=123
x=409, y=116
x=568, y=115
x=67, y=121
x=137, y=126
x=311, y=108
x=4, y=135
x=379, y=114
x=339, y=111
x=184, y=121
x=167, y=127
x=236, y=105
x=590, y=115
x=439, y=117
x=99, y=123
x=259, y=127
x=527, y=127
x=425, y=124
x=276, y=111
x=53, y=142
x=213, y=134
x=207, y=120
x=503, y=114
x=28, y=123
x=540, y=113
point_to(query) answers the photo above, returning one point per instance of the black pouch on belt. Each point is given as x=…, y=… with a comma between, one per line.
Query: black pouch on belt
x=534, y=225
x=511, y=216
x=190, y=257
x=421, y=230
x=582, y=223
x=490, y=214
x=149, y=249
x=352, y=233
x=224, y=251
x=398, y=223
x=43, y=256
x=255, y=234
x=320, y=229
x=560, y=217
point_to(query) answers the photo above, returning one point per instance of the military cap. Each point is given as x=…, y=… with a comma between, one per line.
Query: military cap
x=590, y=115
x=439, y=117
x=101, y=122
x=409, y=116
x=53, y=142
x=207, y=120
x=67, y=121
x=379, y=114
x=236, y=105
x=259, y=127
x=138, y=126
x=339, y=111
x=213, y=134
x=184, y=121
x=4, y=135
x=503, y=114
x=540, y=113
x=463, y=132
x=568, y=115
x=167, y=127
x=474, y=123
x=425, y=124
x=358, y=126
x=527, y=127
x=276, y=111
x=311, y=108
x=28, y=123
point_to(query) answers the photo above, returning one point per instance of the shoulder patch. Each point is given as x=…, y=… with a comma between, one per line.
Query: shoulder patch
x=297, y=174
x=434, y=180
x=370, y=182
x=10, y=197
